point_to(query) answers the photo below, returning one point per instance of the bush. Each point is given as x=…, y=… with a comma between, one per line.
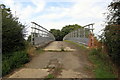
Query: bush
x=14, y=60
x=112, y=41
x=13, y=32
x=103, y=66
x=112, y=31
x=94, y=52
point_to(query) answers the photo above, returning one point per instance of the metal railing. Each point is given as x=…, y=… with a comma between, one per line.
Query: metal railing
x=40, y=36
x=80, y=35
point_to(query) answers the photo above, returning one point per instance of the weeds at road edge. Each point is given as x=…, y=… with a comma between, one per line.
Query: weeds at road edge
x=103, y=66
x=79, y=45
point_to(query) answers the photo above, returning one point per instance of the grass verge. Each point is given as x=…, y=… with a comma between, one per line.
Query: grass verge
x=13, y=60
x=32, y=51
x=103, y=66
x=79, y=45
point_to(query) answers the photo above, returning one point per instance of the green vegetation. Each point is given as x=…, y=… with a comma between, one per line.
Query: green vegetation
x=13, y=43
x=112, y=32
x=13, y=60
x=50, y=76
x=79, y=45
x=56, y=33
x=39, y=50
x=103, y=66
x=59, y=34
x=12, y=32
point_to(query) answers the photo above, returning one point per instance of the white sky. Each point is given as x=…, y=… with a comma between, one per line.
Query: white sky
x=58, y=13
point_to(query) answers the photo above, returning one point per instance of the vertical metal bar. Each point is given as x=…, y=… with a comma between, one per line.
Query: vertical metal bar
x=74, y=33
x=92, y=28
x=84, y=32
x=0, y=42
x=79, y=32
x=35, y=31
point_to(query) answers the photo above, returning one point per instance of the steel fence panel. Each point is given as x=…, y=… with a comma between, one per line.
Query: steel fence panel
x=40, y=36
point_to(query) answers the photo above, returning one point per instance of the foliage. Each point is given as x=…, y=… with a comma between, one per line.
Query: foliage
x=51, y=76
x=13, y=43
x=69, y=28
x=13, y=60
x=29, y=38
x=112, y=40
x=112, y=31
x=64, y=31
x=113, y=16
x=103, y=67
x=12, y=32
x=57, y=34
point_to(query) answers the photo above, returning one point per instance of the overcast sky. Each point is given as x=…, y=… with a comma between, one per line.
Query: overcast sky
x=58, y=13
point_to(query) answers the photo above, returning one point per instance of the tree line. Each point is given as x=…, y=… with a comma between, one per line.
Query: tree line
x=59, y=34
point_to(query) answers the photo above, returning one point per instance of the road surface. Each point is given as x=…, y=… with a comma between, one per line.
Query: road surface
x=61, y=59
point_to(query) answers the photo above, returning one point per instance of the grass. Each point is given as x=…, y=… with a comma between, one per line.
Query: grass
x=50, y=76
x=79, y=45
x=32, y=51
x=39, y=50
x=13, y=60
x=103, y=66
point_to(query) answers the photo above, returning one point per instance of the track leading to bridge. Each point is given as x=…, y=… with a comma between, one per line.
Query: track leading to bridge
x=60, y=59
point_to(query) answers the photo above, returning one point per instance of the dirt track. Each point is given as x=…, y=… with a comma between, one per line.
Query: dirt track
x=69, y=64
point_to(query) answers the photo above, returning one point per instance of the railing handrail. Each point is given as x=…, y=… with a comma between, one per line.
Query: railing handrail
x=39, y=26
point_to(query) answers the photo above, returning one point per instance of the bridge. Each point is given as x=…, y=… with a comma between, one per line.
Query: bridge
x=60, y=59
x=78, y=55
x=41, y=36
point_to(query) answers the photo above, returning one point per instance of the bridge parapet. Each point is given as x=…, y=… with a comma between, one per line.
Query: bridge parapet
x=81, y=35
x=40, y=36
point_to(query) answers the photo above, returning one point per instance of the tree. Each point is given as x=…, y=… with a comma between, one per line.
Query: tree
x=12, y=32
x=112, y=31
x=57, y=34
x=64, y=31
x=113, y=16
x=68, y=28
